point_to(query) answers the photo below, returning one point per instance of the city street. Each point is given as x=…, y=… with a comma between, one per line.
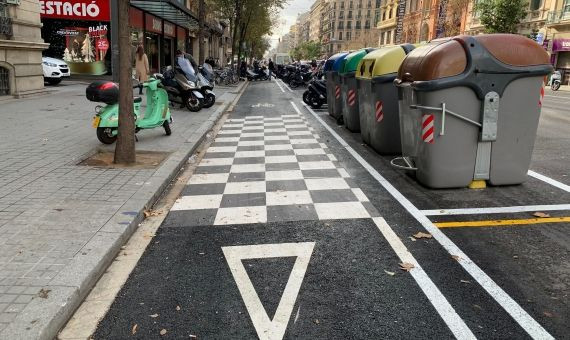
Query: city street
x=290, y=227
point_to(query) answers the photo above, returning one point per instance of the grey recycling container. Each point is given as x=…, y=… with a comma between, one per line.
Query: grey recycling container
x=331, y=68
x=349, y=93
x=378, y=98
x=469, y=109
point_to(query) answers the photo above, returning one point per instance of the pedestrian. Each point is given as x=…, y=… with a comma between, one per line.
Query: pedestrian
x=141, y=67
x=271, y=68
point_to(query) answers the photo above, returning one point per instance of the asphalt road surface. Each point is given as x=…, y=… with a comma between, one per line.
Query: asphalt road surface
x=292, y=228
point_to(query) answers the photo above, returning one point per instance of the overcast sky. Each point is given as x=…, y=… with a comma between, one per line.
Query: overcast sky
x=288, y=17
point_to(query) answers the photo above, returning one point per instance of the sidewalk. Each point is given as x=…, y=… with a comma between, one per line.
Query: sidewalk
x=62, y=223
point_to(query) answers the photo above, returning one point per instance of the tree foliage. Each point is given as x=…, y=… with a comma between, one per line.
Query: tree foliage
x=456, y=9
x=307, y=51
x=501, y=16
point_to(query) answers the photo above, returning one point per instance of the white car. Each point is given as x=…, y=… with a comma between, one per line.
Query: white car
x=54, y=70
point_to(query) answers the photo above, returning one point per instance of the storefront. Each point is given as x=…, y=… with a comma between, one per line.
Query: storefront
x=79, y=32
x=561, y=57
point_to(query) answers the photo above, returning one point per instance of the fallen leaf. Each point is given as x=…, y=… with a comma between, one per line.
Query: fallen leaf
x=163, y=331
x=317, y=321
x=193, y=336
x=465, y=281
x=149, y=213
x=389, y=273
x=177, y=307
x=541, y=214
x=515, y=257
x=455, y=257
x=406, y=266
x=44, y=293
x=412, y=239
x=134, y=329
x=422, y=235
x=548, y=314
x=154, y=316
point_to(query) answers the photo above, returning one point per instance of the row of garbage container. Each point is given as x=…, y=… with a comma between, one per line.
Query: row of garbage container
x=457, y=110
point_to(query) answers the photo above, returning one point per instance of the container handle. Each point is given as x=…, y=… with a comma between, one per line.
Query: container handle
x=408, y=165
x=447, y=111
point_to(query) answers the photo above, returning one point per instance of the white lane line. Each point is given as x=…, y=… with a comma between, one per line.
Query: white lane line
x=444, y=309
x=280, y=87
x=549, y=180
x=496, y=210
x=531, y=326
x=287, y=86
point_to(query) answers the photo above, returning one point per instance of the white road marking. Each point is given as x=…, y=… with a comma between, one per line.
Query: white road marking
x=530, y=325
x=280, y=87
x=197, y=202
x=241, y=215
x=496, y=210
x=549, y=180
x=434, y=295
x=265, y=327
x=288, y=197
x=287, y=86
x=341, y=210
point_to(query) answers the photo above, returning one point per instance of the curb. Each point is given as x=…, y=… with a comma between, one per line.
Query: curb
x=42, y=318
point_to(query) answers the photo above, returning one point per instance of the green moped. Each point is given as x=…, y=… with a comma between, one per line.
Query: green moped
x=106, y=120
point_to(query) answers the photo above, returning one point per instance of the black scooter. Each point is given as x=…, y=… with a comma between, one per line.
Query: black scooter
x=316, y=95
x=180, y=89
x=258, y=74
x=206, y=86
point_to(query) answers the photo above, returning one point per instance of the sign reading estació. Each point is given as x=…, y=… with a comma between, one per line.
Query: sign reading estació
x=400, y=24
x=76, y=9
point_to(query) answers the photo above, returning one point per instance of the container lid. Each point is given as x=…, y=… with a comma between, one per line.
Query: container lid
x=353, y=59
x=338, y=64
x=330, y=61
x=485, y=63
x=383, y=61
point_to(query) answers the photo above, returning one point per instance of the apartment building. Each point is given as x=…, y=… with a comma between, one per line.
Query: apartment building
x=351, y=24
x=303, y=27
x=557, y=37
x=315, y=20
x=387, y=22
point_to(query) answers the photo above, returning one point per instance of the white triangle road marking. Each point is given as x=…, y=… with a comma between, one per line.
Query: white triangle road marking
x=265, y=327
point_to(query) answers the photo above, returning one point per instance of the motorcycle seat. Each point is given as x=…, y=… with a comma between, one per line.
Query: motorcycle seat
x=137, y=100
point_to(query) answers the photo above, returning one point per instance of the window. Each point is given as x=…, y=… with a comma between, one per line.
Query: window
x=535, y=4
x=350, y=5
x=349, y=25
x=384, y=16
x=5, y=21
x=339, y=35
x=391, y=13
x=358, y=15
x=378, y=3
x=341, y=25
x=367, y=24
x=349, y=14
x=342, y=5
x=382, y=38
x=348, y=35
x=357, y=25
x=369, y=4
x=388, y=37
x=341, y=15
x=368, y=14
x=4, y=81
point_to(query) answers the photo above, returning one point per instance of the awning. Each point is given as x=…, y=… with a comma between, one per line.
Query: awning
x=170, y=10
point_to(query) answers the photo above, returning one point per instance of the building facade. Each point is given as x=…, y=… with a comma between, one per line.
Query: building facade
x=557, y=37
x=387, y=22
x=315, y=20
x=21, y=47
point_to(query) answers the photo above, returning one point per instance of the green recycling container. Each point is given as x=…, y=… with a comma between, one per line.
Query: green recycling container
x=350, y=113
x=378, y=98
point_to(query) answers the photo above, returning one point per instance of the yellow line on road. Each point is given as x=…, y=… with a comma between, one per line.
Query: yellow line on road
x=498, y=223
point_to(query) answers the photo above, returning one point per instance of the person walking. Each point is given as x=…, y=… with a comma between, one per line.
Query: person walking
x=271, y=68
x=141, y=67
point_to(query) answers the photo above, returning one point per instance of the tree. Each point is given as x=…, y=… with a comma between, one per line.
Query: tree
x=86, y=50
x=455, y=11
x=502, y=16
x=125, y=148
x=66, y=55
x=312, y=49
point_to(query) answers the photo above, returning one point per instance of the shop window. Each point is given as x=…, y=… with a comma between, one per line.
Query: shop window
x=4, y=81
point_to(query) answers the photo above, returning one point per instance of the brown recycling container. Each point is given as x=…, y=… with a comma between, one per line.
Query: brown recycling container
x=469, y=109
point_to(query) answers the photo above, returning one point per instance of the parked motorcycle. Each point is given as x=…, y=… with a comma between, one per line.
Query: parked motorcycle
x=206, y=88
x=258, y=74
x=316, y=95
x=182, y=88
x=106, y=119
x=556, y=81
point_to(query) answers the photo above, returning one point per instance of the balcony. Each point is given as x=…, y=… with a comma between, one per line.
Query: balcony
x=388, y=23
x=559, y=17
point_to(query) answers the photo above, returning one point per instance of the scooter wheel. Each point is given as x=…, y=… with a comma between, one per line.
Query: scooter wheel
x=316, y=104
x=194, y=104
x=209, y=100
x=307, y=97
x=555, y=86
x=166, y=126
x=105, y=135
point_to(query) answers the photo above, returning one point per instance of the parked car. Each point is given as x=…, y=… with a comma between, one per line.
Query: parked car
x=55, y=70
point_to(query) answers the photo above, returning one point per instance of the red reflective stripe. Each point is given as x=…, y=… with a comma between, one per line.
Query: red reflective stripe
x=379, y=113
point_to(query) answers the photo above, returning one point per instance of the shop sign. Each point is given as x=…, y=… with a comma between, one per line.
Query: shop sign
x=169, y=29
x=97, y=31
x=102, y=44
x=153, y=24
x=561, y=45
x=136, y=18
x=76, y=9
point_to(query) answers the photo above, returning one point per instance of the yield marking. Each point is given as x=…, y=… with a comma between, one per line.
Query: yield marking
x=379, y=111
x=427, y=128
x=264, y=326
x=497, y=223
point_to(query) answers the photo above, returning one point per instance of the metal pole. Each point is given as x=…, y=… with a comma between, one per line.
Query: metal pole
x=115, y=39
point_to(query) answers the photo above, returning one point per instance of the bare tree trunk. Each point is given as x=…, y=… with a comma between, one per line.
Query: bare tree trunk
x=125, y=148
x=237, y=22
x=201, y=14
